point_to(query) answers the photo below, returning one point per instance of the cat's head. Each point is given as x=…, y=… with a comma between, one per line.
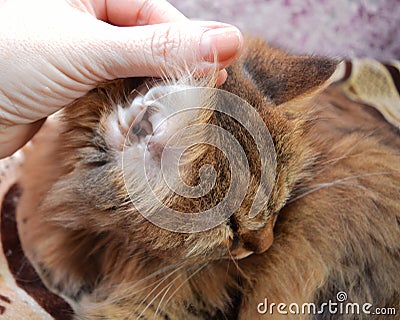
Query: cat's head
x=107, y=183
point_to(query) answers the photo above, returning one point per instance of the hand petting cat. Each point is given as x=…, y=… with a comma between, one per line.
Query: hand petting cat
x=54, y=51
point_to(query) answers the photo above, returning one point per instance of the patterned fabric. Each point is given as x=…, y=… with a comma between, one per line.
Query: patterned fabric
x=376, y=84
x=16, y=303
x=339, y=28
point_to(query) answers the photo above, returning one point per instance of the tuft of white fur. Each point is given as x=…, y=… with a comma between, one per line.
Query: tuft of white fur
x=160, y=109
x=124, y=116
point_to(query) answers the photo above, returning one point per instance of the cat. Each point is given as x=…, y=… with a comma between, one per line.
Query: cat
x=329, y=224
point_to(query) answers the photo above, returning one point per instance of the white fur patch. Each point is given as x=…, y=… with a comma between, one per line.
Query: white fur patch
x=152, y=118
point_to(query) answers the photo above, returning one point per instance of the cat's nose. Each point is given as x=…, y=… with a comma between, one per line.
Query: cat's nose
x=258, y=241
x=236, y=248
x=245, y=243
x=253, y=242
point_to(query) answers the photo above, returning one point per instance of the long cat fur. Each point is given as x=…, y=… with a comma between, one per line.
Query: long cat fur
x=333, y=214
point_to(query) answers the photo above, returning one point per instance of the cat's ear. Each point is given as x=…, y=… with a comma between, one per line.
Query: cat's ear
x=284, y=78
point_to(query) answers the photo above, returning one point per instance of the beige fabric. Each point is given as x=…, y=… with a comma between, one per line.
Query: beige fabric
x=371, y=83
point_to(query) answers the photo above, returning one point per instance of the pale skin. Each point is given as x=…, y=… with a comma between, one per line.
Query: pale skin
x=54, y=51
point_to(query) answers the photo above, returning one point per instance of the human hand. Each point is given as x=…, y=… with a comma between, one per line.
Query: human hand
x=54, y=51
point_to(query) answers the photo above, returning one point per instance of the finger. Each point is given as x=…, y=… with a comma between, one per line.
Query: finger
x=14, y=137
x=136, y=12
x=158, y=49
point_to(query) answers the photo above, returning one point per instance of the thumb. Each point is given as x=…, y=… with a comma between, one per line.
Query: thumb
x=49, y=71
x=153, y=50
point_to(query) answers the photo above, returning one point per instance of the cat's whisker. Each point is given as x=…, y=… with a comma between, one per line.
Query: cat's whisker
x=180, y=286
x=159, y=282
x=238, y=268
x=320, y=186
x=164, y=75
x=162, y=298
x=157, y=295
x=122, y=292
x=230, y=257
x=127, y=292
x=159, y=271
x=133, y=293
x=136, y=92
x=331, y=162
x=342, y=181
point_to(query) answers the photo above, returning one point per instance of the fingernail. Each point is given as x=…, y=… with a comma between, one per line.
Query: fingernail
x=222, y=42
x=222, y=76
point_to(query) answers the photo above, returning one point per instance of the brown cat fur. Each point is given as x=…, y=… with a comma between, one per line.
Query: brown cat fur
x=335, y=203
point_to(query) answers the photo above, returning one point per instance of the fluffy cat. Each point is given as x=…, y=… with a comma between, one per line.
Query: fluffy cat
x=330, y=224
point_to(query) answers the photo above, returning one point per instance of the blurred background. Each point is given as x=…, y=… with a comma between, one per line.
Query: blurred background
x=337, y=28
